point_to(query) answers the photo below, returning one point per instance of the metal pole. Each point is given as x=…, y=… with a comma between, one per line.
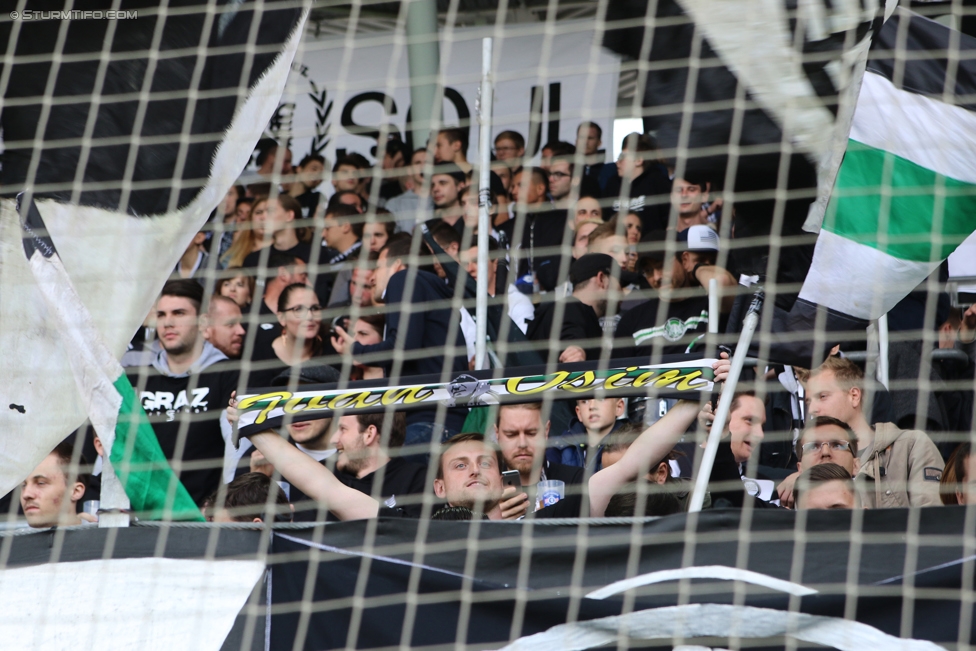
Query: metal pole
x=713, y=306
x=484, y=199
x=423, y=57
x=725, y=403
x=113, y=502
x=883, y=350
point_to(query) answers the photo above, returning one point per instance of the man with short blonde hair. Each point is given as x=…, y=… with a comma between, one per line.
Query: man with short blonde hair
x=897, y=467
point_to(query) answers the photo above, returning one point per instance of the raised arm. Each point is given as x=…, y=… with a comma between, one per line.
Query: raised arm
x=309, y=476
x=649, y=449
x=314, y=479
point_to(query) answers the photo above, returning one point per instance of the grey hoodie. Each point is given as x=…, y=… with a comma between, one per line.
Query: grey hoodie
x=209, y=356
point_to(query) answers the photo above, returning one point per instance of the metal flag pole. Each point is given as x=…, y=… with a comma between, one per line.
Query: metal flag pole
x=713, y=306
x=484, y=199
x=725, y=402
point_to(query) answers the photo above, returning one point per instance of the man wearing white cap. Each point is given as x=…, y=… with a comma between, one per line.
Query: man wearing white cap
x=646, y=329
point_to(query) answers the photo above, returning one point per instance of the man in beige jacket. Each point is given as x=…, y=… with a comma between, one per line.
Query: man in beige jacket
x=898, y=467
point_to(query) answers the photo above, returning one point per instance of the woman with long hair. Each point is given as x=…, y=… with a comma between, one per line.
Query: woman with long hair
x=238, y=287
x=300, y=320
x=272, y=225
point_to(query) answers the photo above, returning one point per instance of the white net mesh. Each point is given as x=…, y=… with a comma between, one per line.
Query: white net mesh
x=299, y=449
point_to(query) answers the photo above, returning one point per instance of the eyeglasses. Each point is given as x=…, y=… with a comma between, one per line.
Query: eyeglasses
x=301, y=311
x=835, y=446
x=559, y=175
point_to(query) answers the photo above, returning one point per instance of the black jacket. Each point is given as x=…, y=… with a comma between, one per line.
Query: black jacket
x=580, y=324
x=424, y=334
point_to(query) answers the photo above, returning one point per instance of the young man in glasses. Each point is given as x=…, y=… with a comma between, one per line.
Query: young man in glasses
x=899, y=467
x=825, y=440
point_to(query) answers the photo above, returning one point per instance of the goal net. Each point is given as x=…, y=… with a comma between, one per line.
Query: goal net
x=528, y=325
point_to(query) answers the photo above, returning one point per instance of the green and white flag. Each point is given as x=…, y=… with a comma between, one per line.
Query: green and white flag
x=113, y=408
x=905, y=194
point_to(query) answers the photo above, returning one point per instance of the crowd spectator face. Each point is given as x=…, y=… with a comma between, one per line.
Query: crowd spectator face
x=309, y=431
x=244, y=212
x=826, y=397
x=384, y=269
x=224, y=329
x=311, y=174
x=46, y=497
x=687, y=198
x=393, y=160
x=471, y=476
x=337, y=233
x=417, y=163
x=302, y=316
x=633, y=228
x=587, y=208
x=178, y=324
x=269, y=218
x=535, y=191
x=366, y=333
x=545, y=158
x=599, y=414
x=504, y=173
x=375, y=236
x=296, y=273
x=469, y=260
x=361, y=287
x=506, y=149
x=352, y=444
x=746, y=427
x=615, y=246
x=446, y=151
x=560, y=179
x=271, y=162
x=346, y=177
x=581, y=240
x=588, y=139
x=444, y=191
x=655, y=276
x=522, y=437
x=836, y=494
x=228, y=207
x=823, y=436
x=630, y=164
x=682, y=269
x=237, y=289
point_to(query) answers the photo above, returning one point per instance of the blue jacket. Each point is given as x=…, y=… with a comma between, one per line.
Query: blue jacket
x=569, y=448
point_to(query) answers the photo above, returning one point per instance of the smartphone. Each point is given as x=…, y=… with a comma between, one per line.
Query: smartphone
x=512, y=478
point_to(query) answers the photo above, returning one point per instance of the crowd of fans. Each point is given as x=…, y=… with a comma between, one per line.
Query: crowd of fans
x=588, y=260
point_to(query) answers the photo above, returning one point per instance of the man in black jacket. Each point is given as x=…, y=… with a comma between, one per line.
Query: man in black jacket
x=426, y=337
x=648, y=193
x=579, y=333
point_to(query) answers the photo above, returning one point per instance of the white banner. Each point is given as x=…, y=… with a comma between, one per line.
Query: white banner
x=338, y=94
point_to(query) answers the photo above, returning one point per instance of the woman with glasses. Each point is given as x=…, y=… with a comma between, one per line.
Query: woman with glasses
x=300, y=316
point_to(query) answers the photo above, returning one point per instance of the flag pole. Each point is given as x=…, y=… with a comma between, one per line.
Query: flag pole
x=713, y=306
x=484, y=199
x=725, y=402
x=883, y=350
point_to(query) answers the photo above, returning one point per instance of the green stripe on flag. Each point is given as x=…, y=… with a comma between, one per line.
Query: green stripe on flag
x=151, y=485
x=888, y=203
